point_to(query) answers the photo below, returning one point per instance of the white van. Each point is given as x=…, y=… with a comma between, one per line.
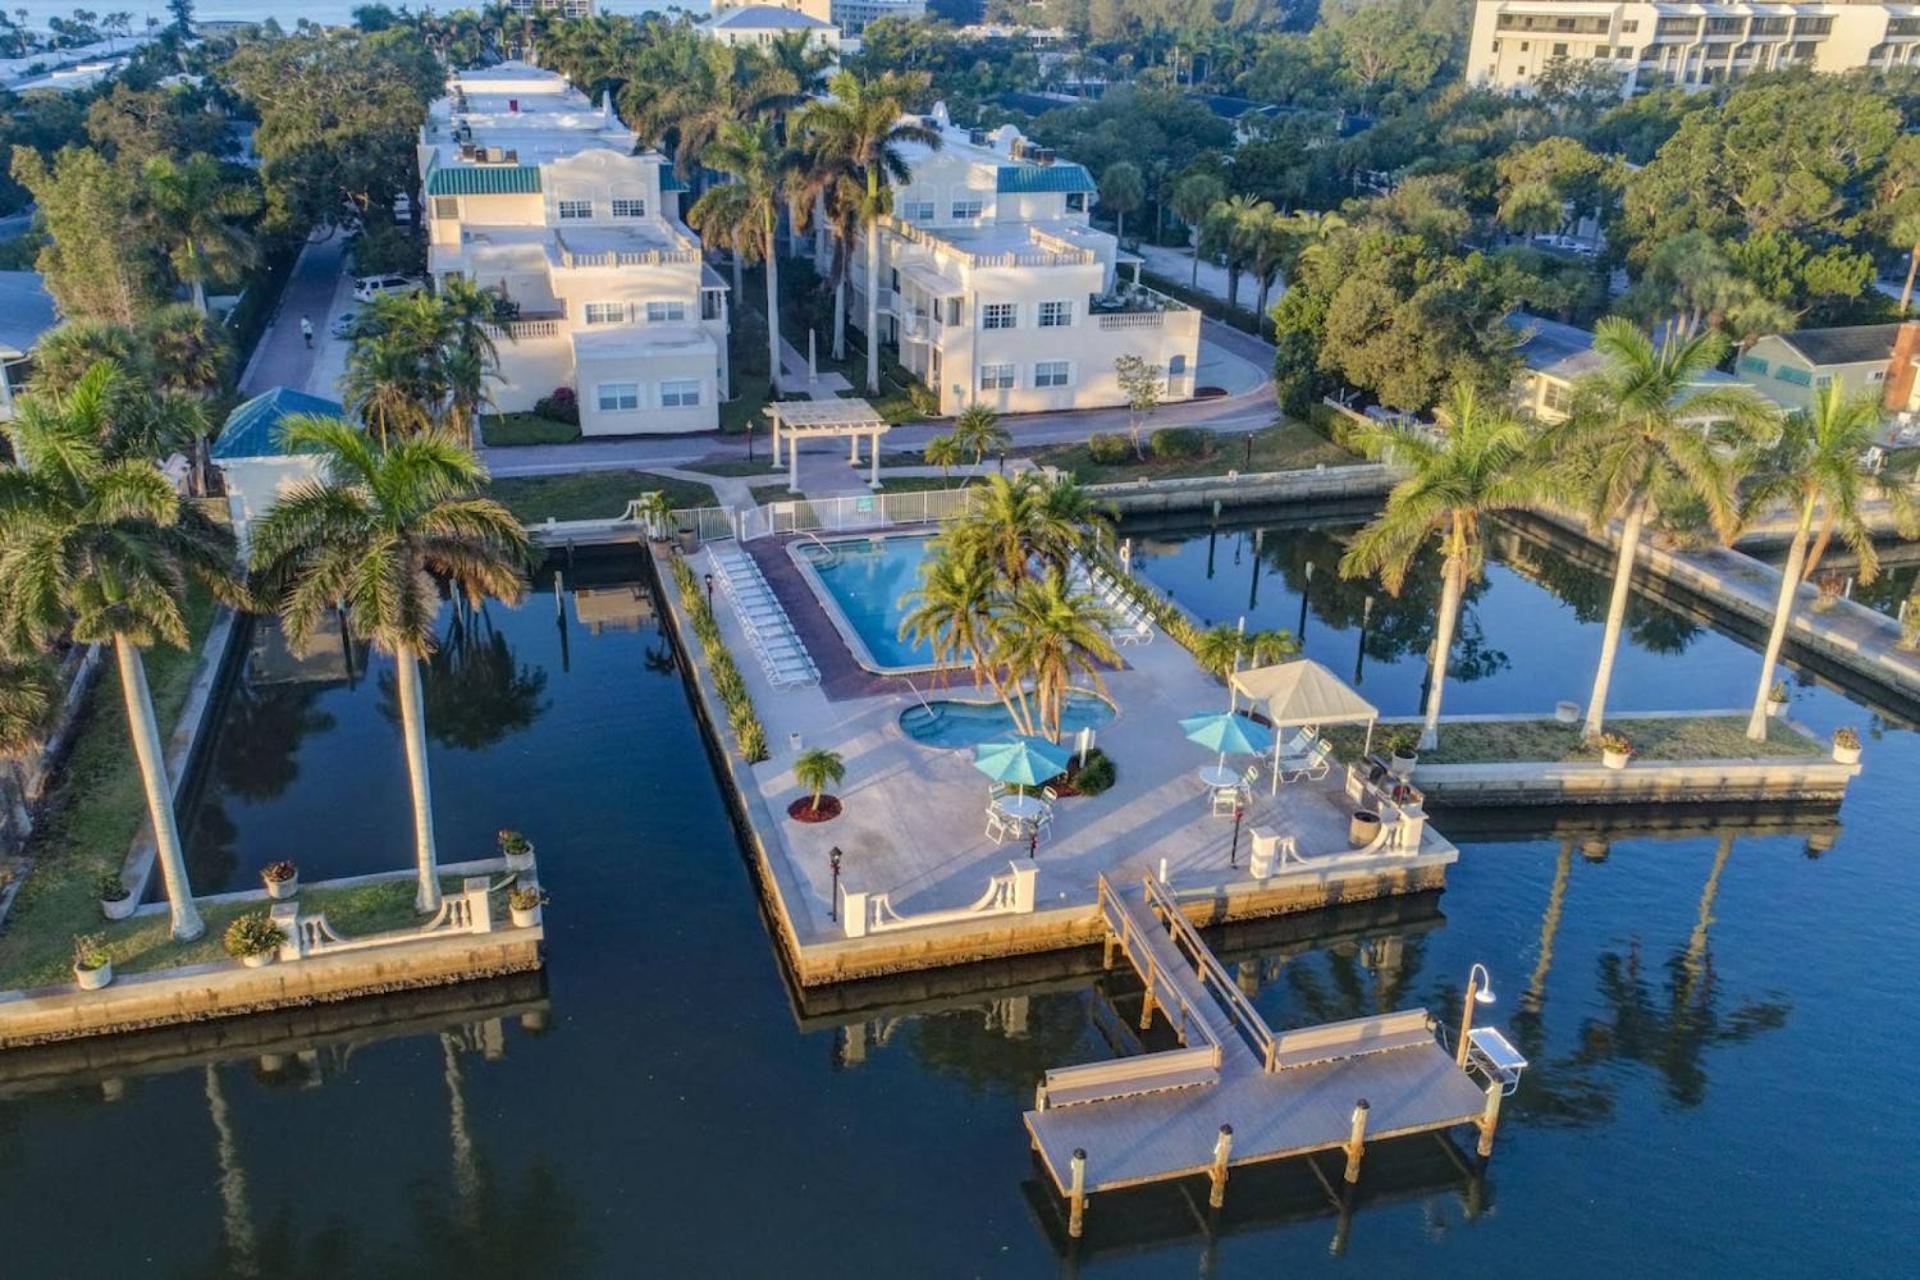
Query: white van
x=367, y=288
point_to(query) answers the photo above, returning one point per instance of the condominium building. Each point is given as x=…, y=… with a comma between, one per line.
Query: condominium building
x=565, y=8
x=537, y=194
x=759, y=25
x=1689, y=45
x=818, y=10
x=852, y=16
x=995, y=289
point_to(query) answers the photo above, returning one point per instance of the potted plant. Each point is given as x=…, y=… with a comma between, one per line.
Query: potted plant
x=254, y=939
x=814, y=770
x=92, y=962
x=516, y=849
x=116, y=900
x=282, y=879
x=1846, y=744
x=1614, y=750
x=1401, y=754
x=1777, y=698
x=525, y=905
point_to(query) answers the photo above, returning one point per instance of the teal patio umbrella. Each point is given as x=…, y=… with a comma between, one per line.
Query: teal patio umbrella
x=1228, y=733
x=1023, y=761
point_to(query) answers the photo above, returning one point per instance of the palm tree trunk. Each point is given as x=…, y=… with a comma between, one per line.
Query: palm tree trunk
x=1616, y=614
x=739, y=287
x=1782, y=615
x=200, y=295
x=873, y=296
x=1913, y=265
x=840, y=317
x=1453, y=586
x=153, y=777
x=1233, y=288
x=1820, y=544
x=1260, y=320
x=1194, y=238
x=773, y=310
x=1119, y=224
x=413, y=725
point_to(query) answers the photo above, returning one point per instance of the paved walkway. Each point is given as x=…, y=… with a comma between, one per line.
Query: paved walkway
x=282, y=359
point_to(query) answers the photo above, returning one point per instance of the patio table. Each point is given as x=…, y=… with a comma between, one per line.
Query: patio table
x=1219, y=777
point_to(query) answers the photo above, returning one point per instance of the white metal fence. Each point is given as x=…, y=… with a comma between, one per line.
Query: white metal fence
x=854, y=513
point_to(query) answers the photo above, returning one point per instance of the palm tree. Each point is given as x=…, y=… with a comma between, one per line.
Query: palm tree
x=103, y=551
x=951, y=612
x=1048, y=632
x=1815, y=464
x=1638, y=437
x=1268, y=237
x=1008, y=524
x=1905, y=232
x=797, y=57
x=653, y=510
x=1122, y=190
x=186, y=350
x=861, y=129
x=943, y=452
x=818, y=769
x=385, y=386
x=76, y=346
x=388, y=520
x=1225, y=230
x=978, y=431
x=28, y=695
x=192, y=202
x=746, y=212
x=1192, y=198
x=1484, y=463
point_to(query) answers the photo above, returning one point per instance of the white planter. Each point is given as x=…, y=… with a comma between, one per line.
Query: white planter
x=1566, y=712
x=260, y=960
x=525, y=919
x=1775, y=709
x=1846, y=755
x=520, y=861
x=1615, y=759
x=119, y=910
x=280, y=889
x=94, y=979
x=1401, y=766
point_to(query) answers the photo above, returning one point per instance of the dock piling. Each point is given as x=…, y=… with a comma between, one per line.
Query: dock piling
x=1222, y=1150
x=1077, y=1195
x=1490, y=1118
x=1356, y=1140
x=1146, y=999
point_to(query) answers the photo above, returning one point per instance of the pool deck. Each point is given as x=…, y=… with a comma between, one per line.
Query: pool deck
x=913, y=820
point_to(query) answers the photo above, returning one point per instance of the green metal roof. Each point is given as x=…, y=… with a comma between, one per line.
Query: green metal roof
x=669, y=181
x=252, y=430
x=1029, y=179
x=485, y=180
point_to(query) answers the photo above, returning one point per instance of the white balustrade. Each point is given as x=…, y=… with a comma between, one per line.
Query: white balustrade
x=1009, y=893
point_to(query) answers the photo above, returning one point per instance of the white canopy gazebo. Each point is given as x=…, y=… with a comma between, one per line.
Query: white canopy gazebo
x=1303, y=692
x=806, y=419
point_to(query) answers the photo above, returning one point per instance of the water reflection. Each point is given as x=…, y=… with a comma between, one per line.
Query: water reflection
x=475, y=692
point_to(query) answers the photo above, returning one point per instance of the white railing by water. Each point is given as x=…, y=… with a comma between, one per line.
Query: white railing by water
x=466, y=912
x=1009, y=893
x=854, y=513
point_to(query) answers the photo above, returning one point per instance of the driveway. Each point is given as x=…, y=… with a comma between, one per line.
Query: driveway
x=282, y=359
x=1177, y=265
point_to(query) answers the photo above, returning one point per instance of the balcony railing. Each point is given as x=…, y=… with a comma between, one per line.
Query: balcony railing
x=1133, y=307
x=623, y=257
x=1048, y=250
x=515, y=330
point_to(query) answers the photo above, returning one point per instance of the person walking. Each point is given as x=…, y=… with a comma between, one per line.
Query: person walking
x=306, y=330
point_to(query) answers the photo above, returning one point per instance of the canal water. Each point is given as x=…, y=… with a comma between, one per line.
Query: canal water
x=1720, y=1016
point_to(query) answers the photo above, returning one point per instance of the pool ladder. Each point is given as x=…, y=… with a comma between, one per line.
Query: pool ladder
x=832, y=556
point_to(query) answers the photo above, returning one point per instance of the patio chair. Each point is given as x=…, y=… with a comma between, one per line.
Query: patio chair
x=1049, y=794
x=1225, y=801
x=997, y=790
x=1043, y=827
x=996, y=825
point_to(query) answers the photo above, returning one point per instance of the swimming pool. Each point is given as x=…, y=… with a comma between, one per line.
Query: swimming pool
x=866, y=581
x=966, y=724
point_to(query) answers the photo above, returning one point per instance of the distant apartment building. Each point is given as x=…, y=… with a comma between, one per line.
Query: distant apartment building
x=565, y=8
x=818, y=10
x=1862, y=359
x=852, y=16
x=537, y=194
x=759, y=25
x=996, y=290
x=1691, y=46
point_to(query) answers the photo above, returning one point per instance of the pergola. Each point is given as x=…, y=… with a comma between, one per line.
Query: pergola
x=1303, y=692
x=807, y=419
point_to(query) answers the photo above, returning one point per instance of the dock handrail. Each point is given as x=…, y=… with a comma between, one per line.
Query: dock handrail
x=1211, y=972
x=1169, y=994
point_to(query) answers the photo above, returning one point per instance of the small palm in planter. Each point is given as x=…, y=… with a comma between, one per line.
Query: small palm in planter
x=1846, y=745
x=816, y=770
x=92, y=962
x=282, y=879
x=1399, y=746
x=116, y=900
x=253, y=939
x=1614, y=750
x=1777, y=698
x=517, y=850
x=525, y=905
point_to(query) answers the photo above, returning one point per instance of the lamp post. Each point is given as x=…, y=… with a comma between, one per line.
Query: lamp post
x=1479, y=991
x=833, y=898
x=1233, y=850
x=1248, y=464
x=709, y=593
x=749, y=437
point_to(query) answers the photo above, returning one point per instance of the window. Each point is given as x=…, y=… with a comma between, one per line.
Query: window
x=1056, y=315
x=1176, y=366
x=571, y=209
x=446, y=206
x=1753, y=364
x=967, y=210
x=1050, y=373
x=952, y=306
x=634, y=208
x=917, y=210
x=615, y=397
x=1798, y=377
x=666, y=312
x=712, y=306
x=606, y=312
x=683, y=393
x=1559, y=50
x=1629, y=26
x=997, y=315
x=1076, y=202
x=1556, y=397
x=1822, y=379
x=996, y=377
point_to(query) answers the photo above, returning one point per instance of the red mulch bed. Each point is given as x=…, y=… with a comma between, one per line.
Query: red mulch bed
x=802, y=810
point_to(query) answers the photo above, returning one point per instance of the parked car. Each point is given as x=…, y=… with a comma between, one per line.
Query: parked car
x=342, y=326
x=367, y=288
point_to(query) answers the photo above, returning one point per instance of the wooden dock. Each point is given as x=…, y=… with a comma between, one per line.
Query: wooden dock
x=1236, y=1092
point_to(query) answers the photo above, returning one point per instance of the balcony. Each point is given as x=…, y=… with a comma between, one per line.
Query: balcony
x=528, y=324
x=1133, y=306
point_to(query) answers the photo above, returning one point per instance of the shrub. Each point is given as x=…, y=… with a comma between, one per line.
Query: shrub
x=1778, y=693
x=1399, y=742
x=90, y=951
x=1615, y=742
x=1108, y=450
x=1176, y=443
x=514, y=844
x=1096, y=775
x=112, y=889
x=1847, y=738
x=924, y=401
x=254, y=934
x=274, y=872
x=388, y=250
x=528, y=898
x=561, y=406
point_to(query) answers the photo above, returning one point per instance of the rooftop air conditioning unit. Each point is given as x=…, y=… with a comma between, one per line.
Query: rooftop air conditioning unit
x=513, y=156
x=979, y=137
x=1042, y=155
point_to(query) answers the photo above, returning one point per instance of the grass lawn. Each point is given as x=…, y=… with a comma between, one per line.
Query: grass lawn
x=1285, y=446
x=589, y=495
x=503, y=430
x=917, y=484
x=1664, y=738
x=751, y=393
x=762, y=465
x=92, y=814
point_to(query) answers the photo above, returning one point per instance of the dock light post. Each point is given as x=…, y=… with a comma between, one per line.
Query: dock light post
x=1233, y=850
x=1479, y=991
x=749, y=437
x=709, y=593
x=833, y=899
x=1248, y=464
